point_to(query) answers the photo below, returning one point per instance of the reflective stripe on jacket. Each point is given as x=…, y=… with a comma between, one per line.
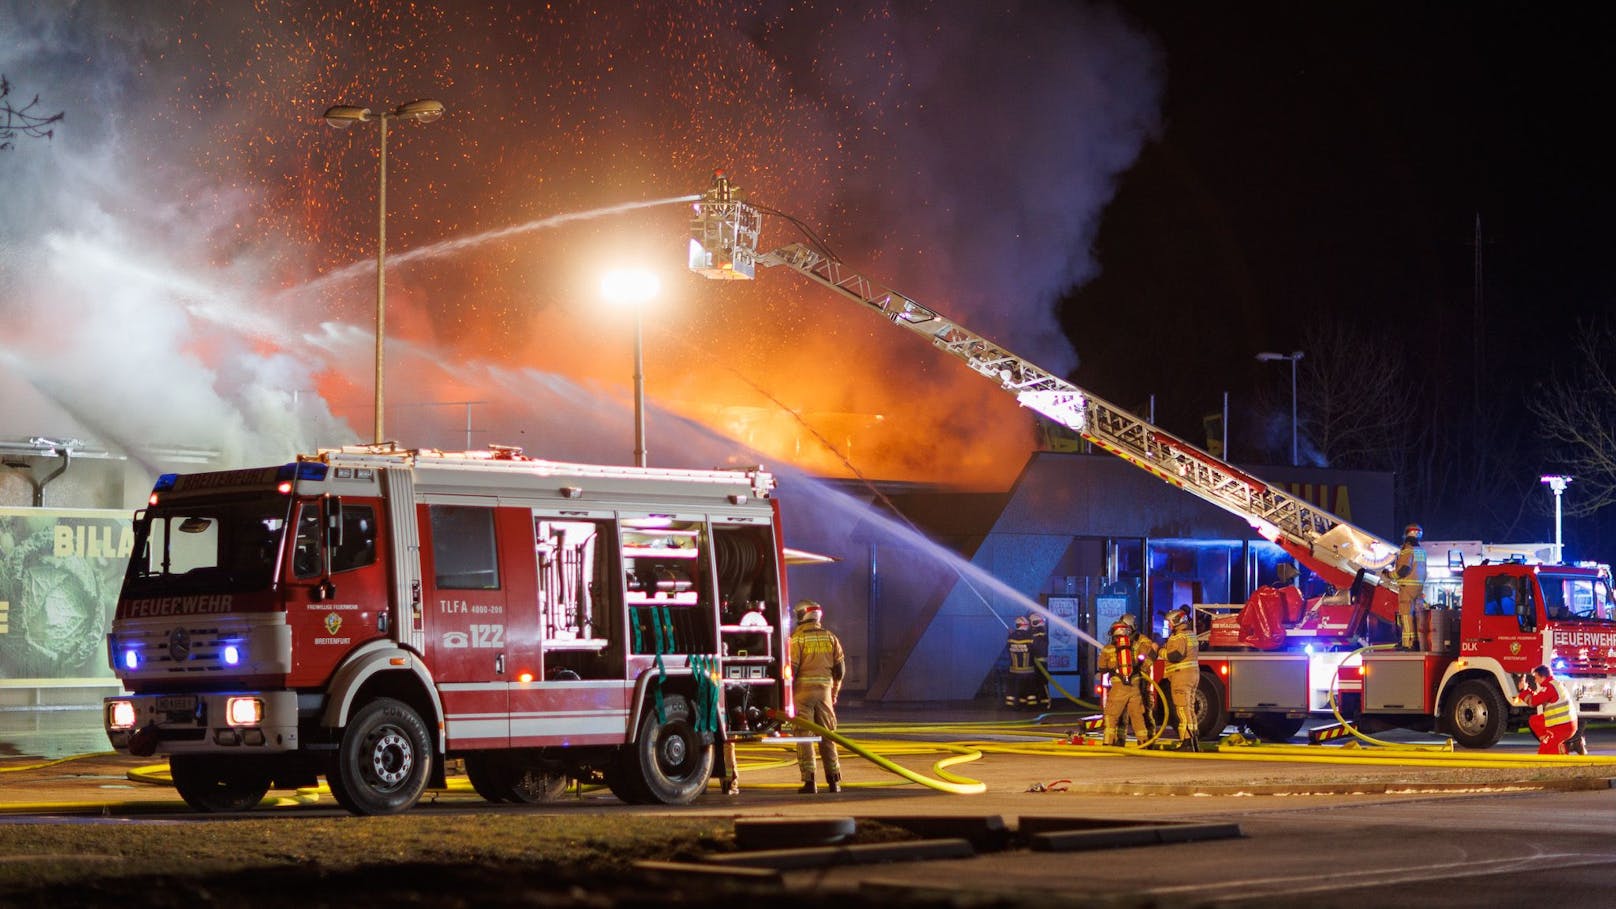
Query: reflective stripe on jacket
x=1181, y=651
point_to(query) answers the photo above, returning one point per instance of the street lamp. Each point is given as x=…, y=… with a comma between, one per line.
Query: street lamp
x=343, y=116
x=1557, y=485
x=634, y=288
x=1293, y=356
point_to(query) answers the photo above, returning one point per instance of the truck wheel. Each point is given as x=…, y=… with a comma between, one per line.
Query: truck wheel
x=1274, y=727
x=212, y=784
x=1475, y=713
x=1210, y=713
x=384, y=760
x=528, y=783
x=502, y=777
x=623, y=777
x=672, y=760
x=483, y=771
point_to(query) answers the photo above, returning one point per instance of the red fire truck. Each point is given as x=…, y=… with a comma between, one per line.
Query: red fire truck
x=1274, y=663
x=368, y=614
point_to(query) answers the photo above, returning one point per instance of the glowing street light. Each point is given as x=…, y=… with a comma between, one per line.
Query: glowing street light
x=1557, y=485
x=343, y=116
x=634, y=288
x=1268, y=357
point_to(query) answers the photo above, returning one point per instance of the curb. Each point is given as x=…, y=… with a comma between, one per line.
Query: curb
x=826, y=856
x=1363, y=788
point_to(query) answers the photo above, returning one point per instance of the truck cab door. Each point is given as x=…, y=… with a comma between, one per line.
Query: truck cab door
x=1502, y=614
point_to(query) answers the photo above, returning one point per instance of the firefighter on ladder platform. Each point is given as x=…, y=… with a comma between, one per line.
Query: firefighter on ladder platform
x=1409, y=573
x=1556, y=717
x=1119, y=659
x=1183, y=676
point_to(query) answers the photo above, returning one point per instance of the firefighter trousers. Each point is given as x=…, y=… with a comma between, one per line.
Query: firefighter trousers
x=813, y=700
x=1123, y=698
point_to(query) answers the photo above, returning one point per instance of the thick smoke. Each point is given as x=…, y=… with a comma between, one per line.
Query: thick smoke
x=184, y=263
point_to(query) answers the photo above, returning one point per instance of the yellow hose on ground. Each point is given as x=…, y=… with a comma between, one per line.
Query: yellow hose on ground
x=14, y=768
x=951, y=783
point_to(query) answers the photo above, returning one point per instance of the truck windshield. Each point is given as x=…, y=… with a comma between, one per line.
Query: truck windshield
x=216, y=547
x=1576, y=598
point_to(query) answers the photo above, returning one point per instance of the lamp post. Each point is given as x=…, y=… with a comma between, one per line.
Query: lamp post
x=343, y=116
x=1557, y=485
x=1293, y=356
x=634, y=288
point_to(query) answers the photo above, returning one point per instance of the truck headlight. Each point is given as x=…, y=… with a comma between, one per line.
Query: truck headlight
x=244, y=711
x=121, y=715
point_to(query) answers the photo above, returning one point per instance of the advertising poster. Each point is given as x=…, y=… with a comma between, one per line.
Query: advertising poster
x=60, y=571
x=1108, y=608
x=1062, y=642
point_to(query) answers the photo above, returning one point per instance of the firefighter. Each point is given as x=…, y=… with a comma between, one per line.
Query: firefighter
x=1409, y=573
x=1020, y=690
x=1183, y=675
x=1119, y=659
x=1144, y=649
x=817, y=666
x=1556, y=717
x=1040, y=655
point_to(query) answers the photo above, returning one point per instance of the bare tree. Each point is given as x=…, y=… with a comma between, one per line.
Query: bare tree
x=1354, y=396
x=1578, y=414
x=15, y=121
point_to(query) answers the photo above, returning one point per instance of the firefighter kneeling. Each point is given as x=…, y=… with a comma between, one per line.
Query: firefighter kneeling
x=1120, y=659
x=1556, y=717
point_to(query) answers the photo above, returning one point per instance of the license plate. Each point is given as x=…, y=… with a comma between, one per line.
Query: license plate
x=176, y=704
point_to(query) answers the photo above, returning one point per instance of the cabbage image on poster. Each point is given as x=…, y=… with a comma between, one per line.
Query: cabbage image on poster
x=60, y=571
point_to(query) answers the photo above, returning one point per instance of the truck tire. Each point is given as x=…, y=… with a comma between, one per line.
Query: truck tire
x=622, y=777
x=505, y=777
x=672, y=760
x=1212, y=715
x=1274, y=727
x=1475, y=713
x=214, y=784
x=384, y=760
x=484, y=775
x=530, y=784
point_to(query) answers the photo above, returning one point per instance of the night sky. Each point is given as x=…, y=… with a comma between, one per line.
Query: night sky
x=1334, y=158
x=1177, y=185
x=1328, y=162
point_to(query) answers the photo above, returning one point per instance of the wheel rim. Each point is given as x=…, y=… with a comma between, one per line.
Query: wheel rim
x=1470, y=715
x=392, y=757
x=674, y=752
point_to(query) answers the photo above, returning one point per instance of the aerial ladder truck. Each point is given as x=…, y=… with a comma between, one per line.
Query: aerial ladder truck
x=1272, y=679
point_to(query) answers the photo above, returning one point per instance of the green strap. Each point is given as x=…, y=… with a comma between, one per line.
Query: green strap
x=662, y=669
x=706, y=692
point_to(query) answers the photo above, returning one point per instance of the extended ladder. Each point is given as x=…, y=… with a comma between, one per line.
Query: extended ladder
x=724, y=234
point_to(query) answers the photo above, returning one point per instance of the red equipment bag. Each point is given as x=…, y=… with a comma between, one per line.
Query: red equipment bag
x=1262, y=621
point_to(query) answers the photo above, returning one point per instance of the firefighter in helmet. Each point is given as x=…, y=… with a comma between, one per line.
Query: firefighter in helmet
x=1119, y=660
x=1409, y=574
x=817, y=667
x=1183, y=675
x=1040, y=655
x=1019, y=689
